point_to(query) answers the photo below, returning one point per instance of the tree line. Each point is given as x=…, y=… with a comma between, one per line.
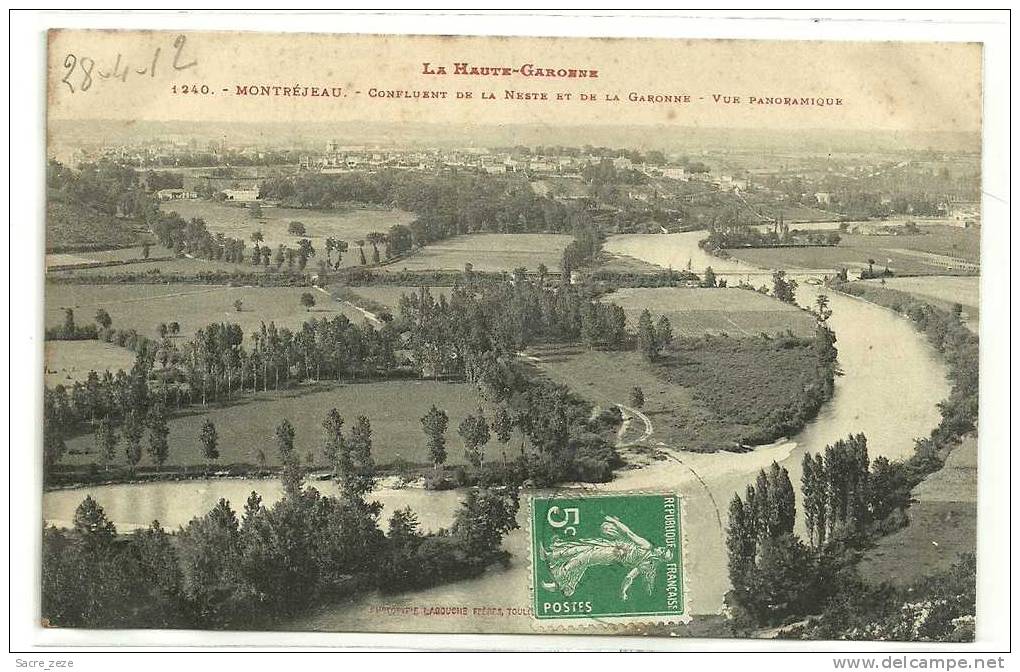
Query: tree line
x=222, y=571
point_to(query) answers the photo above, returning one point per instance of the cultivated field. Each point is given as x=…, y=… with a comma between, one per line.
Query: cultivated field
x=143, y=307
x=248, y=423
x=236, y=221
x=155, y=266
x=943, y=522
x=489, y=252
x=623, y=263
x=70, y=361
x=696, y=311
x=922, y=254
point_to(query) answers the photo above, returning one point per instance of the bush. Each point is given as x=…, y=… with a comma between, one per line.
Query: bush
x=438, y=480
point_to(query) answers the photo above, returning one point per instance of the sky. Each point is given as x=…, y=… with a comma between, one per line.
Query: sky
x=159, y=76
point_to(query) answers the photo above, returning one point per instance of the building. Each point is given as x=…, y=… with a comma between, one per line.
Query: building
x=241, y=195
x=674, y=173
x=175, y=194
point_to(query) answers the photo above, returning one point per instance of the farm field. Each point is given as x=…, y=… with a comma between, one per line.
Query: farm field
x=236, y=221
x=943, y=292
x=166, y=267
x=68, y=362
x=143, y=307
x=104, y=256
x=951, y=241
x=943, y=522
x=697, y=311
x=622, y=263
x=490, y=252
x=248, y=423
x=922, y=254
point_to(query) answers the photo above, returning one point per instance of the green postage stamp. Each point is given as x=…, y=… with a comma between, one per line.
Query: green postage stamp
x=607, y=557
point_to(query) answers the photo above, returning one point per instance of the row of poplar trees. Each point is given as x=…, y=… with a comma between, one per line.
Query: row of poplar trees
x=773, y=572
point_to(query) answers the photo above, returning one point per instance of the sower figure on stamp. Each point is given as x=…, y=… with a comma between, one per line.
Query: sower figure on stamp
x=568, y=560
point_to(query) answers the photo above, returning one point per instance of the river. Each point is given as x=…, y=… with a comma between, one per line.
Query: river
x=891, y=384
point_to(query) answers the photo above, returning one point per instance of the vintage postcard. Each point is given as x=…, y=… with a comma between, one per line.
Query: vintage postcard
x=421, y=334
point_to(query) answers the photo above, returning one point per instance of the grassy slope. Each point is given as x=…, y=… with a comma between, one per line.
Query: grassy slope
x=943, y=524
x=74, y=227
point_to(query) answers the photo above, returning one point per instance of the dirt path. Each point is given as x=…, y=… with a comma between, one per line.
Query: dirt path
x=629, y=413
x=669, y=452
x=370, y=316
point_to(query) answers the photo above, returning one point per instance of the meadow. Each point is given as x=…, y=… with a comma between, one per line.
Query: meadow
x=68, y=362
x=705, y=396
x=489, y=252
x=943, y=524
x=143, y=307
x=247, y=423
x=236, y=221
x=696, y=311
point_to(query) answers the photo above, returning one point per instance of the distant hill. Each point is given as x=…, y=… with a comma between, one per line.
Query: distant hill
x=666, y=137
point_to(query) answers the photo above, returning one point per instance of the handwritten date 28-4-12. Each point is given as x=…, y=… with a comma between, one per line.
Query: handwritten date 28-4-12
x=82, y=71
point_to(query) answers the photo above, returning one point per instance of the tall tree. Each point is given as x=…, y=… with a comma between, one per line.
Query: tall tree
x=474, y=431
x=663, y=333
x=334, y=446
x=822, y=307
x=434, y=424
x=361, y=442
x=362, y=477
x=502, y=424
x=647, y=338
x=159, y=447
x=210, y=441
x=133, y=430
x=784, y=288
x=292, y=475
x=106, y=440
x=92, y=526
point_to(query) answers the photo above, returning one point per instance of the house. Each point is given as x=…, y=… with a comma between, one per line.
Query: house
x=175, y=194
x=241, y=195
x=674, y=173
